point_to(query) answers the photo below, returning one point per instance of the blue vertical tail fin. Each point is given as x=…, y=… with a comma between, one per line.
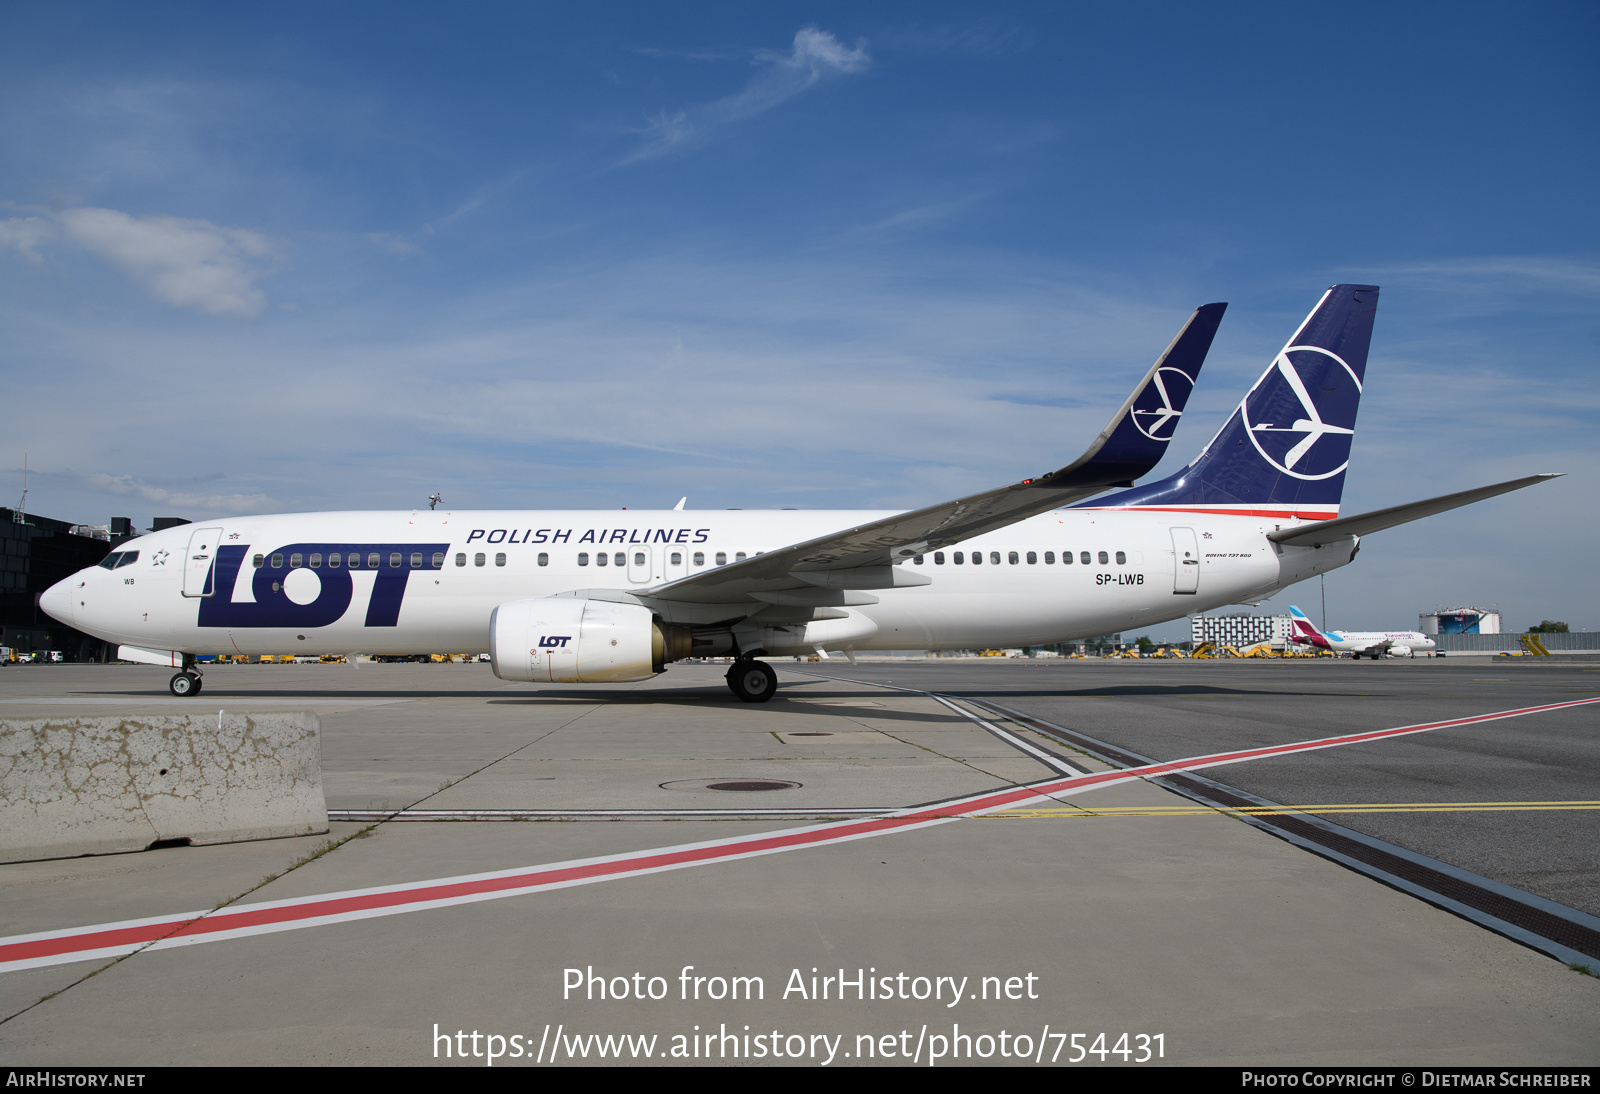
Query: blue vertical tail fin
x=1284, y=450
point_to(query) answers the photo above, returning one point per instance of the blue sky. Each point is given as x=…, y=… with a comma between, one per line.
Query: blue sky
x=341, y=256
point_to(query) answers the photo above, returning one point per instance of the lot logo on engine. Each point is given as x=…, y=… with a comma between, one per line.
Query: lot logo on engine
x=554, y=641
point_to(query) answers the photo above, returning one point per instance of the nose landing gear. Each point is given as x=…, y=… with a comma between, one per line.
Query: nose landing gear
x=186, y=684
x=752, y=681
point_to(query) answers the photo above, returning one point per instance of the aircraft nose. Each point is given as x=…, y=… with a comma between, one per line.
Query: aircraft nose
x=57, y=599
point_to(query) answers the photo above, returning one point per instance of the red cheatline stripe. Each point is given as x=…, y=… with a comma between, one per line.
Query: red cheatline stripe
x=109, y=939
x=1212, y=510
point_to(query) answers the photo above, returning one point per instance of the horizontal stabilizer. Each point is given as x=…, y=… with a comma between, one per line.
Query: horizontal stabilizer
x=1378, y=520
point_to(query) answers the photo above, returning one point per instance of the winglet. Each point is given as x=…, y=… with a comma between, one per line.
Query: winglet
x=1138, y=434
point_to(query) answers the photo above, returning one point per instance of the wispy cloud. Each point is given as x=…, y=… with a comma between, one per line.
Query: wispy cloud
x=815, y=55
x=128, y=486
x=186, y=263
x=1544, y=272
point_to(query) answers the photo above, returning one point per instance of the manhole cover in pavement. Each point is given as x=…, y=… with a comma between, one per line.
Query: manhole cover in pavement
x=735, y=785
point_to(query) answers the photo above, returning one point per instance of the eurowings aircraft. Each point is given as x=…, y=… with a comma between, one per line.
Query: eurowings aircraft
x=593, y=597
x=1374, y=644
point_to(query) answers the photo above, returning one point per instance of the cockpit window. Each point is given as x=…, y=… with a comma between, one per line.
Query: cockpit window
x=128, y=559
x=111, y=560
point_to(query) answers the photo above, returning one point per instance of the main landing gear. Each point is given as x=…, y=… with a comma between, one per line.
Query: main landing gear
x=186, y=684
x=752, y=681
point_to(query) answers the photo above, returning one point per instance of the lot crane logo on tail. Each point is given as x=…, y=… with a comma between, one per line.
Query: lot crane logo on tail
x=1288, y=424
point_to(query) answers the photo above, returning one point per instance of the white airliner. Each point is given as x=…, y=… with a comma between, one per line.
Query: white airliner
x=590, y=597
x=1373, y=644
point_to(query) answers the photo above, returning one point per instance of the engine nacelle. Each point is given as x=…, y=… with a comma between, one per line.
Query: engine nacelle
x=1400, y=651
x=561, y=640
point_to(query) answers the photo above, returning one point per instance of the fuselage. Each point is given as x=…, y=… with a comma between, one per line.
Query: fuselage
x=416, y=582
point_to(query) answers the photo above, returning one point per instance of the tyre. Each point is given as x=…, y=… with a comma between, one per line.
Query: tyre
x=184, y=685
x=753, y=681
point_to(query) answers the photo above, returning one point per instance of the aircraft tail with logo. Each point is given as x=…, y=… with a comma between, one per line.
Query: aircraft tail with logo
x=1284, y=451
x=1305, y=632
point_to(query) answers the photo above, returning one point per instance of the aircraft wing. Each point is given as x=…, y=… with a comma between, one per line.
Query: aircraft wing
x=864, y=557
x=1329, y=530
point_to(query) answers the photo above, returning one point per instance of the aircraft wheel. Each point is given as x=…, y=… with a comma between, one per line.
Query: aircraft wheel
x=753, y=681
x=184, y=685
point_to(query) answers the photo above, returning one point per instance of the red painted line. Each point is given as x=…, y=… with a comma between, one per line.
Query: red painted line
x=75, y=944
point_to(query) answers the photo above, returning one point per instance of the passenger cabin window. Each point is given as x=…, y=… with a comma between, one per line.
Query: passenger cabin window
x=544, y=559
x=438, y=559
x=1012, y=558
x=583, y=558
x=916, y=560
x=677, y=558
x=994, y=558
x=1103, y=558
x=394, y=560
x=277, y=562
x=602, y=559
x=373, y=560
x=638, y=558
x=416, y=559
x=699, y=558
x=620, y=558
x=977, y=558
x=1122, y=558
x=355, y=561
x=316, y=561
x=739, y=557
x=500, y=559
x=938, y=558
x=295, y=560
x=479, y=559
x=1033, y=559
x=461, y=558
x=1049, y=558
x=1083, y=557
x=333, y=560
x=255, y=562
x=957, y=558
x=722, y=558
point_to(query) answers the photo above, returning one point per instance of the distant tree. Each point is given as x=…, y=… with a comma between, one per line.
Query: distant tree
x=1144, y=643
x=1549, y=626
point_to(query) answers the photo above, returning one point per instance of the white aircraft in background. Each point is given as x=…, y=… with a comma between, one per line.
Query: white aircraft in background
x=1374, y=644
x=593, y=597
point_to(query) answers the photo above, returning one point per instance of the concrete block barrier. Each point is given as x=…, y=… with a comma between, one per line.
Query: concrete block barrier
x=94, y=786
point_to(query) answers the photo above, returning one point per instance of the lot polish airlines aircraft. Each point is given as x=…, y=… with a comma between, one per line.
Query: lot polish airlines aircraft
x=1374, y=644
x=591, y=597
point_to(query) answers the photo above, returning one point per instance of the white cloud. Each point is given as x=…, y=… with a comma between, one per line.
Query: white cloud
x=185, y=263
x=815, y=55
x=127, y=485
x=23, y=234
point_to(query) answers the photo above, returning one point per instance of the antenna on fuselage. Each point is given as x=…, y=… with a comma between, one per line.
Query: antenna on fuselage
x=433, y=500
x=679, y=506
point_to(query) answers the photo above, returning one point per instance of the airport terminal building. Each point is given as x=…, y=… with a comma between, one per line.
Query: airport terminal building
x=35, y=553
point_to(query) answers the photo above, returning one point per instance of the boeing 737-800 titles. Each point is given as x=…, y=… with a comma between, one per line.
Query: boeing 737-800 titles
x=592, y=597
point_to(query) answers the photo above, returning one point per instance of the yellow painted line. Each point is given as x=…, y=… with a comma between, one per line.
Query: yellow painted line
x=1291, y=810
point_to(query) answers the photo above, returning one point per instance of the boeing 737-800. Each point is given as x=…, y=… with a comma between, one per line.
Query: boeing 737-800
x=592, y=597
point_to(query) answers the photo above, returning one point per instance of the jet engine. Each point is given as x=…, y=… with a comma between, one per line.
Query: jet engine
x=560, y=640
